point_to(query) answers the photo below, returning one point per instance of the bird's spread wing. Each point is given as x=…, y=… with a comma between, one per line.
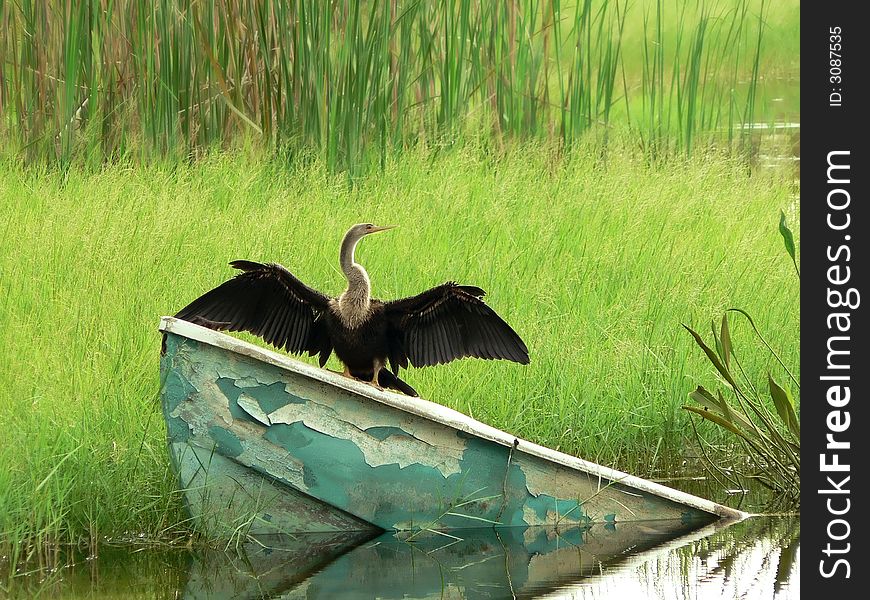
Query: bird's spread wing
x=269, y=301
x=447, y=322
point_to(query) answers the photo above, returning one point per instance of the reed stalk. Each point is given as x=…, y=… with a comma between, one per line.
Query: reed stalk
x=101, y=79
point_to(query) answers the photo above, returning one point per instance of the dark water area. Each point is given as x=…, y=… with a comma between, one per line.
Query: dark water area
x=755, y=558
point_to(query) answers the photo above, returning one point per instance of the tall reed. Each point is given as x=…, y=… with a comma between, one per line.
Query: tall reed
x=102, y=78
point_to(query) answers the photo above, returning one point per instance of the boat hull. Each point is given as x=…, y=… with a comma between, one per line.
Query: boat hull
x=266, y=442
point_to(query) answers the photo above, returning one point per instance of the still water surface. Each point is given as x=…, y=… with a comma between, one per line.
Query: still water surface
x=758, y=558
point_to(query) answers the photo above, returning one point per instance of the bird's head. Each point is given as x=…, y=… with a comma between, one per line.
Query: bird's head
x=357, y=232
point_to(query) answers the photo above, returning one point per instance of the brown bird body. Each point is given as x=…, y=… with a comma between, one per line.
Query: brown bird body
x=442, y=324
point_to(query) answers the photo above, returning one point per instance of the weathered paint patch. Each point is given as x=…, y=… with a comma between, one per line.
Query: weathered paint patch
x=410, y=492
x=382, y=433
x=404, y=450
x=228, y=388
x=288, y=436
x=335, y=466
x=252, y=407
x=177, y=430
x=549, y=509
x=210, y=407
x=247, y=377
x=249, y=382
x=176, y=388
x=417, y=494
x=274, y=396
x=225, y=493
x=324, y=400
x=270, y=397
x=227, y=442
x=541, y=478
x=327, y=456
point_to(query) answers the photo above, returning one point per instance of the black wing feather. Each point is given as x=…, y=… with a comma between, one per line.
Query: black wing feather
x=447, y=322
x=269, y=301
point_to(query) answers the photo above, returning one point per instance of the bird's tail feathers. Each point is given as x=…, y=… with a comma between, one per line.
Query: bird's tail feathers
x=388, y=380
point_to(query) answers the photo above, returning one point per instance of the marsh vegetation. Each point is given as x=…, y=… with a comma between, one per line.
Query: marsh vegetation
x=597, y=265
x=590, y=165
x=356, y=81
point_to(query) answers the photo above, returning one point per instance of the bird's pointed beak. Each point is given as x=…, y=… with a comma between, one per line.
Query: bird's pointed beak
x=382, y=228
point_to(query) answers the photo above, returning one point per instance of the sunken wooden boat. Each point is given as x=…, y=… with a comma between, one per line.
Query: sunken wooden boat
x=265, y=444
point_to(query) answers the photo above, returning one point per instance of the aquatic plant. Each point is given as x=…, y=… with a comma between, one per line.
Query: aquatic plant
x=767, y=426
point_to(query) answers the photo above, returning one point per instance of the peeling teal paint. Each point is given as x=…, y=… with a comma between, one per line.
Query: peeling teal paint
x=416, y=494
x=332, y=459
x=543, y=504
x=229, y=389
x=287, y=436
x=482, y=462
x=220, y=493
x=270, y=397
x=176, y=388
x=227, y=442
x=176, y=428
x=382, y=433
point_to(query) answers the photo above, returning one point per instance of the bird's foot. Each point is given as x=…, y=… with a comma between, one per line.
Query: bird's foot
x=374, y=381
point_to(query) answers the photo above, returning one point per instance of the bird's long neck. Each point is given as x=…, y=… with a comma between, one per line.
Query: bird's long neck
x=356, y=299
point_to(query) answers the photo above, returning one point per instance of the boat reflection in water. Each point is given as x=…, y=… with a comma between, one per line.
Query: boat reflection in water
x=512, y=562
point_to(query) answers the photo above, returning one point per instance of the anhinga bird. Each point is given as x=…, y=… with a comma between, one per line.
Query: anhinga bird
x=442, y=324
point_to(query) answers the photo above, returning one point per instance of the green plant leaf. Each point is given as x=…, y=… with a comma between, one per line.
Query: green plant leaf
x=787, y=236
x=725, y=339
x=784, y=403
x=705, y=398
x=715, y=418
x=717, y=344
x=720, y=406
x=712, y=356
x=788, y=239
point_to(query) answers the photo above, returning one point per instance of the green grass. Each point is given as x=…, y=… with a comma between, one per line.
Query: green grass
x=95, y=81
x=595, y=264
